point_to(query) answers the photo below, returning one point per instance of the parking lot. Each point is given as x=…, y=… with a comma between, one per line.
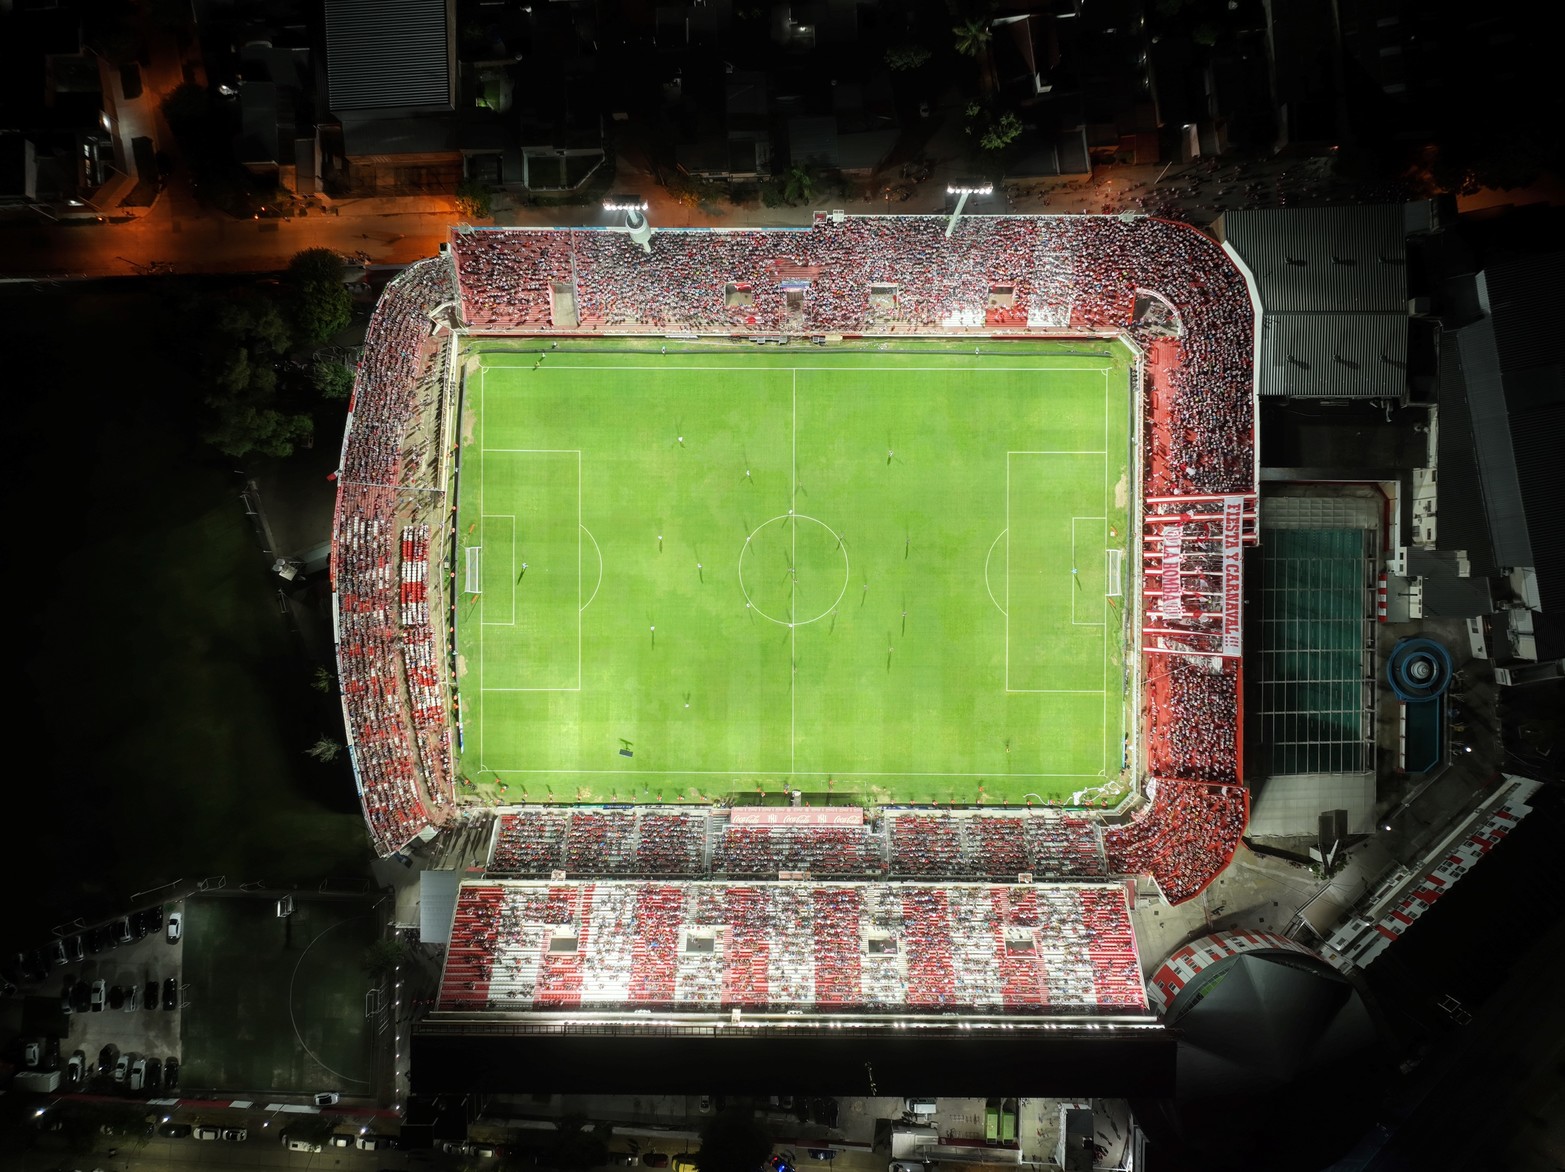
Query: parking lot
x=129, y=972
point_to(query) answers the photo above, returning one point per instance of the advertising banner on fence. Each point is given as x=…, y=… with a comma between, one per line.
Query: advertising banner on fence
x=797, y=816
x=1233, y=574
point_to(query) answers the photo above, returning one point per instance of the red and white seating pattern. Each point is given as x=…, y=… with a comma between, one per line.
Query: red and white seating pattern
x=824, y=947
x=397, y=731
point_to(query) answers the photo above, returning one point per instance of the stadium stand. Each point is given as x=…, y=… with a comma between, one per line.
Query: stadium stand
x=1165, y=284
x=827, y=947
x=392, y=691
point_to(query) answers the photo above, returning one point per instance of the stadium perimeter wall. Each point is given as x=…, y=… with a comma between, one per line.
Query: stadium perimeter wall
x=1086, y=309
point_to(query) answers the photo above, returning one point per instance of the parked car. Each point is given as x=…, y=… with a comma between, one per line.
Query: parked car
x=904, y=1166
x=171, y=993
x=149, y=994
x=154, y=1075
x=622, y=1159
x=372, y=1143
x=485, y=1151
x=116, y=997
x=176, y=925
x=822, y=1154
x=97, y=940
x=66, y=1004
x=207, y=1133
x=175, y=1130
x=154, y=918
x=81, y=997
x=236, y=1134
x=327, y=1098
x=138, y=925
x=138, y=1074
x=76, y=1068
x=57, y=953
x=171, y=1074
x=122, y=1068
x=100, y=991
x=120, y=931
x=107, y=1057
x=342, y=1141
x=301, y=1145
x=34, y=964
x=655, y=1159
x=132, y=998
x=75, y=949
x=32, y=1054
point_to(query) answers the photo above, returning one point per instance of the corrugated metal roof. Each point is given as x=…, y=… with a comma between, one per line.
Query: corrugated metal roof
x=388, y=54
x=1350, y=257
x=1334, y=355
x=1463, y=524
x=1491, y=422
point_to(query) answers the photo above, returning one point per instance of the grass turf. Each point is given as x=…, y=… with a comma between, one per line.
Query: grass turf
x=927, y=623
x=276, y=1004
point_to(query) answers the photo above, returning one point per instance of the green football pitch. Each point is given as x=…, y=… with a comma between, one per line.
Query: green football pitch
x=887, y=573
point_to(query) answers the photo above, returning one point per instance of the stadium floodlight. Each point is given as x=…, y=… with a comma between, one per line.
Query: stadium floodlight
x=962, y=191
x=624, y=203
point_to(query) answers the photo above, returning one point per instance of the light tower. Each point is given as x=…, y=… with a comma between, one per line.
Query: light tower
x=635, y=212
x=962, y=191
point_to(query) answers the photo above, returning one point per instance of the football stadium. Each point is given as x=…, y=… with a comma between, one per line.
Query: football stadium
x=826, y=623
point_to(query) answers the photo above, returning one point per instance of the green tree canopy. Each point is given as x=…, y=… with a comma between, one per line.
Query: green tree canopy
x=799, y=186
x=972, y=36
x=331, y=380
x=321, y=302
x=906, y=57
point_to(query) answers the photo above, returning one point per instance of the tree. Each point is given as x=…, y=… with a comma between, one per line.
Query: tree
x=323, y=680
x=473, y=200
x=325, y=750
x=185, y=107
x=576, y=1146
x=799, y=186
x=1002, y=133
x=907, y=57
x=321, y=303
x=734, y=1140
x=331, y=380
x=972, y=36
x=384, y=954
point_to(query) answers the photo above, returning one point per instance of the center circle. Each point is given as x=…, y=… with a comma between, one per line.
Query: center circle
x=793, y=569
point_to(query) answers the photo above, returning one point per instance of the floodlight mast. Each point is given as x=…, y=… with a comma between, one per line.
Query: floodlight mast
x=962, y=191
x=635, y=211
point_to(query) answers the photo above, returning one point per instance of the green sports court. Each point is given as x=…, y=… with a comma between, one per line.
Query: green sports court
x=883, y=571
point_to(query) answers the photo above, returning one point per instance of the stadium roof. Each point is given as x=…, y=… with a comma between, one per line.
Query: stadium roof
x=389, y=55
x=1332, y=283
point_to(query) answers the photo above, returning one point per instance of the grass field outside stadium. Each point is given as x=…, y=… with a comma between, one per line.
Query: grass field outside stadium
x=870, y=573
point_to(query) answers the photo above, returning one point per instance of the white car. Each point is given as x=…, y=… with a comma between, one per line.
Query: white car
x=342, y=1141
x=208, y=1133
x=302, y=1145
x=122, y=1067
x=100, y=993
x=236, y=1134
x=326, y=1098
x=372, y=1143
x=176, y=925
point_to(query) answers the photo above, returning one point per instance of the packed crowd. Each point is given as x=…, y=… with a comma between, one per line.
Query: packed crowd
x=1185, y=835
x=820, y=850
x=387, y=666
x=826, y=947
x=1192, y=719
x=1049, y=844
x=538, y=840
x=587, y=843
